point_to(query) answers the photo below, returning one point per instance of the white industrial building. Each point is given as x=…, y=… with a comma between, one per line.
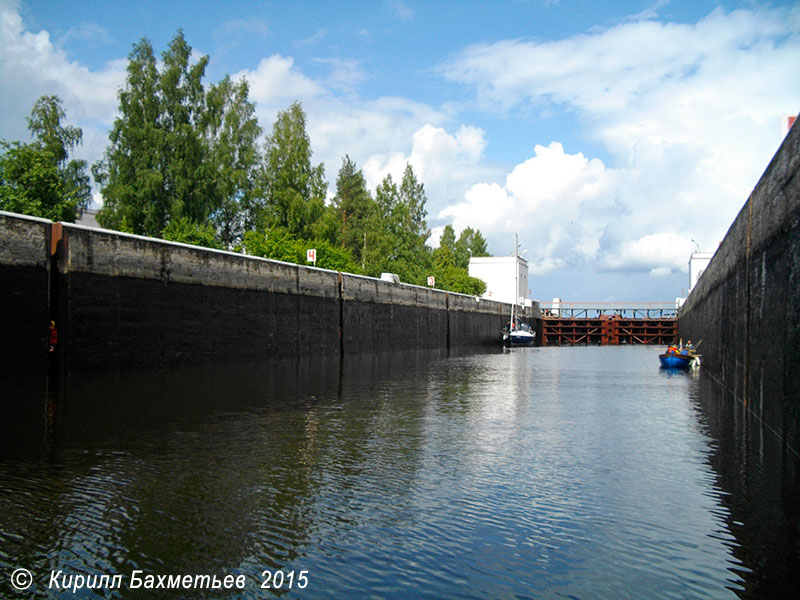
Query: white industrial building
x=501, y=274
x=698, y=262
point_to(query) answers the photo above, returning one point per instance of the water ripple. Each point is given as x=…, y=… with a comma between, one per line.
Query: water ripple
x=527, y=474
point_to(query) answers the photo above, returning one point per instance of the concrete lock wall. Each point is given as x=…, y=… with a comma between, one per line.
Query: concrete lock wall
x=124, y=301
x=746, y=306
x=128, y=301
x=24, y=293
x=379, y=316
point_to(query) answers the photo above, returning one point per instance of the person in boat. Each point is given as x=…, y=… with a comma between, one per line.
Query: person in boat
x=689, y=345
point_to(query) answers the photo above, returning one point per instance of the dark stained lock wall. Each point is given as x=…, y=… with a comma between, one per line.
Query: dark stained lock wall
x=122, y=301
x=24, y=293
x=746, y=306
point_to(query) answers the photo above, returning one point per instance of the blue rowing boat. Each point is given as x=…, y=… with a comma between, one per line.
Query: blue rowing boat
x=675, y=358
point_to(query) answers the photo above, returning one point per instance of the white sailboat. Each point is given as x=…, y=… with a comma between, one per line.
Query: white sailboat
x=517, y=333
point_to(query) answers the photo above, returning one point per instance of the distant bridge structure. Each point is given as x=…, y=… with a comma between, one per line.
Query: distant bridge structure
x=608, y=323
x=593, y=310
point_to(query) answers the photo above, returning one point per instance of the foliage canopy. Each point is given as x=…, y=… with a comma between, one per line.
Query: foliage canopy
x=38, y=178
x=185, y=162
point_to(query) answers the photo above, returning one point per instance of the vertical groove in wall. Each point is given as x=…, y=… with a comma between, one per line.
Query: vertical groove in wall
x=748, y=254
x=128, y=302
x=340, y=291
x=56, y=246
x=447, y=312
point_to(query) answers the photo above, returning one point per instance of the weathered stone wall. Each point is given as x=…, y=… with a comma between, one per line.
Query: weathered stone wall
x=127, y=301
x=379, y=316
x=746, y=306
x=477, y=321
x=24, y=293
x=124, y=301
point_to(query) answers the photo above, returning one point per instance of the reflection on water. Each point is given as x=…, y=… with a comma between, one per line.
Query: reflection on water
x=760, y=474
x=555, y=472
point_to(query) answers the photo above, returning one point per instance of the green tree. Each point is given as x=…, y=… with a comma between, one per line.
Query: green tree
x=38, y=179
x=184, y=229
x=352, y=206
x=45, y=123
x=232, y=132
x=470, y=243
x=412, y=201
x=294, y=190
x=450, y=263
x=445, y=254
x=412, y=228
x=448, y=238
x=397, y=230
x=456, y=279
x=186, y=173
x=379, y=251
x=155, y=168
x=278, y=243
x=31, y=184
x=131, y=174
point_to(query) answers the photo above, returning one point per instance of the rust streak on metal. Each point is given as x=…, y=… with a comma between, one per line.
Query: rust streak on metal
x=56, y=234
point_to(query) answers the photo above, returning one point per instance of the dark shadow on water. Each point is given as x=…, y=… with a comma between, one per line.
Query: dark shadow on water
x=38, y=415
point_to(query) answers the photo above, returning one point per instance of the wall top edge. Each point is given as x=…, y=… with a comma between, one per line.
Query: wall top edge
x=228, y=253
x=25, y=217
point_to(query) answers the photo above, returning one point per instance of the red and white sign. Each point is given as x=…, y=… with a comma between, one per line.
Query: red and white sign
x=431, y=281
x=311, y=255
x=787, y=124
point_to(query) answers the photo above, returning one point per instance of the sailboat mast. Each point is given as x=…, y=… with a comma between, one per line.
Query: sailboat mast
x=516, y=280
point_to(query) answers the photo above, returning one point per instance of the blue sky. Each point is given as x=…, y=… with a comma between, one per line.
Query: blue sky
x=614, y=137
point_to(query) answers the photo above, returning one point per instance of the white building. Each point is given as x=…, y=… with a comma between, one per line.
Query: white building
x=499, y=274
x=698, y=262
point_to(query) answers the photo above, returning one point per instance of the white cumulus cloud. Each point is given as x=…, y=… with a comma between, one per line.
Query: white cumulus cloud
x=275, y=83
x=686, y=116
x=690, y=115
x=447, y=163
x=31, y=66
x=558, y=202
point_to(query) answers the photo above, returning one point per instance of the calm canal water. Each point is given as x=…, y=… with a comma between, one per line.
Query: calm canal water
x=542, y=472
